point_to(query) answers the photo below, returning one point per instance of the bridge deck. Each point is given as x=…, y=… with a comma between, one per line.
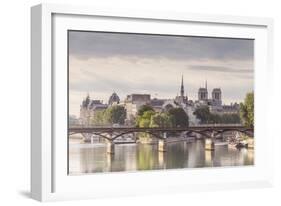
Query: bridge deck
x=82, y=129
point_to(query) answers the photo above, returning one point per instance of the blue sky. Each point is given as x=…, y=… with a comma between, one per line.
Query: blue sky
x=100, y=63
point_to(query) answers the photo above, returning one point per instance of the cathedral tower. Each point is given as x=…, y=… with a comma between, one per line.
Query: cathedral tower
x=203, y=93
x=216, y=96
x=182, y=87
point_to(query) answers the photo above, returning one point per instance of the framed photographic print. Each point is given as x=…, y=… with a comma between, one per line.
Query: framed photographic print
x=135, y=102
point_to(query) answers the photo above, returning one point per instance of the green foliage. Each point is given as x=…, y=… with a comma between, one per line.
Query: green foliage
x=179, y=117
x=174, y=117
x=144, y=119
x=150, y=118
x=203, y=114
x=144, y=108
x=161, y=120
x=230, y=118
x=98, y=118
x=155, y=119
x=206, y=117
x=112, y=115
x=115, y=115
x=247, y=110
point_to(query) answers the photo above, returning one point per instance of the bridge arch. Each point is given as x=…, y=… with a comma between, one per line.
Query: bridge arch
x=103, y=136
x=129, y=132
x=207, y=132
x=203, y=133
x=95, y=133
x=118, y=135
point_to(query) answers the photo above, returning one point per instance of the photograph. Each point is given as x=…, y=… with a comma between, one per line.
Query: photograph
x=141, y=102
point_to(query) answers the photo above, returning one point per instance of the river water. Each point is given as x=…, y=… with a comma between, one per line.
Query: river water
x=92, y=158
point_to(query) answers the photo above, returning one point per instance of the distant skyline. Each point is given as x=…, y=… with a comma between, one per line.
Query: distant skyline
x=101, y=63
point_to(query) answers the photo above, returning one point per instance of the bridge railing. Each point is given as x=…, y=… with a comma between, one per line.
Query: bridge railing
x=127, y=127
x=98, y=126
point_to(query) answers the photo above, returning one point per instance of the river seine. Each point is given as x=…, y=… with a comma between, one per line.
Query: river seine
x=85, y=158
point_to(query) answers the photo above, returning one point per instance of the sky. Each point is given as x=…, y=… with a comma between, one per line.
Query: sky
x=101, y=63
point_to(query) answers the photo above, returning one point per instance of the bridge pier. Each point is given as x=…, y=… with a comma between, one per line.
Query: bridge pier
x=110, y=147
x=162, y=159
x=162, y=145
x=251, y=143
x=210, y=142
x=209, y=157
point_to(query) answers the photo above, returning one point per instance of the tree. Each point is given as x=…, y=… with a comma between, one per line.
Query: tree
x=179, y=117
x=247, y=110
x=144, y=108
x=98, y=118
x=145, y=118
x=203, y=114
x=214, y=119
x=230, y=118
x=161, y=120
x=206, y=117
x=115, y=115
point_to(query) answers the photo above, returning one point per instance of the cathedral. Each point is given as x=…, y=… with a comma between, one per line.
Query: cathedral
x=215, y=100
x=133, y=102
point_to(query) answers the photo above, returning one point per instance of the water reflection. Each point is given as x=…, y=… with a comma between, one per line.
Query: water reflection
x=89, y=158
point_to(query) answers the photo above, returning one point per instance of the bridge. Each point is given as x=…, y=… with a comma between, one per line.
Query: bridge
x=111, y=133
x=209, y=132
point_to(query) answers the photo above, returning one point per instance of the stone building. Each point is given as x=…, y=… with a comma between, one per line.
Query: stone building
x=203, y=93
x=113, y=99
x=133, y=102
x=216, y=96
x=215, y=102
x=157, y=104
x=231, y=109
x=88, y=108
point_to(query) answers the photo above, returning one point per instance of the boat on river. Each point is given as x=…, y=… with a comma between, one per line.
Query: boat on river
x=124, y=141
x=221, y=143
x=238, y=142
x=242, y=144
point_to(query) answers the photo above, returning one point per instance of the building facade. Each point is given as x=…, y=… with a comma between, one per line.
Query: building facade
x=113, y=99
x=88, y=108
x=133, y=102
x=215, y=102
x=216, y=96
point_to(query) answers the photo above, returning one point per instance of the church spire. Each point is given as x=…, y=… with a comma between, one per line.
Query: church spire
x=206, y=84
x=182, y=87
x=87, y=100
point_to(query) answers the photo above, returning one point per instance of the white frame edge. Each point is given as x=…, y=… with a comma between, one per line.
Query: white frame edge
x=36, y=56
x=40, y=102
x=41, y=76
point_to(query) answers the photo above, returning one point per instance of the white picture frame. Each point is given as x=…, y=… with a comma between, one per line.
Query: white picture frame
x=49, y=180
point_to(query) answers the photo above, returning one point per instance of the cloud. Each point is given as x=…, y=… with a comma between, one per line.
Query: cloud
x=101, y=63
x=224, y=69
x=104, y=44
x=158, y=77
